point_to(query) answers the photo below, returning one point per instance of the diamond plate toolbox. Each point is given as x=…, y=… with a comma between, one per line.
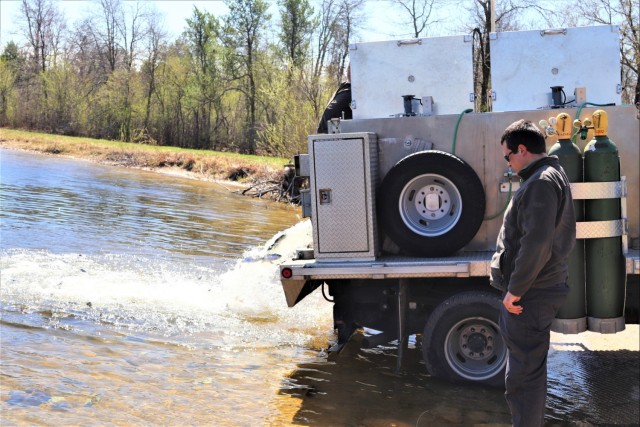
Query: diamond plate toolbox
x=343, y=180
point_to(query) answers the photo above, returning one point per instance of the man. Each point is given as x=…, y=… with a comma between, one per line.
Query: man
x=530, y=267
x=339, y=106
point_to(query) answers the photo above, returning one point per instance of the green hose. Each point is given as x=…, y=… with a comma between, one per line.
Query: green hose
x=455, y=132
x=504, y=208
x=453, y=151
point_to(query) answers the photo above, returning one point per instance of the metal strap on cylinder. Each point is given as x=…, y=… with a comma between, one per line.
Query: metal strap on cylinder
x=600, y=229
x=599, y=190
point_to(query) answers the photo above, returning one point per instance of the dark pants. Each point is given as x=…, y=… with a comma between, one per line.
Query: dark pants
x=527, y=337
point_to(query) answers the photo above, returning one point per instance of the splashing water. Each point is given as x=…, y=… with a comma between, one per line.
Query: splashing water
x=172, y=300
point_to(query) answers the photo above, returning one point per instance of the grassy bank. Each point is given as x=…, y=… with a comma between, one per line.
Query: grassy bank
x=247, y=170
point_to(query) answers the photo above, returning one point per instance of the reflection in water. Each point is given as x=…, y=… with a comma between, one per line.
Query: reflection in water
x=82, y=207
x=362, y=388
x=131, y=298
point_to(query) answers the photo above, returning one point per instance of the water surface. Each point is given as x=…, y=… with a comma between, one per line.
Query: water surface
x=133, y=298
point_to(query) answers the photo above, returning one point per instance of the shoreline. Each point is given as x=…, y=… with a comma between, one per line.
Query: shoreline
x=248, y=178
x=165, y=170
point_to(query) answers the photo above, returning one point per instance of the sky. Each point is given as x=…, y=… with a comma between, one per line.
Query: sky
x=379, y=25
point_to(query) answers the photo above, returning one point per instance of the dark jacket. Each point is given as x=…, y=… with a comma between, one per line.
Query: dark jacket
x=538, y=231
x=340, y=104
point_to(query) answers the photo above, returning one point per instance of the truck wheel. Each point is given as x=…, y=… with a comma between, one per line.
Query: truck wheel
x=431, y=204
x=462, y=340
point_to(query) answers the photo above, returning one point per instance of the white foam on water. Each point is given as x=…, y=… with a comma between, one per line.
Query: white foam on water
x=143, y=294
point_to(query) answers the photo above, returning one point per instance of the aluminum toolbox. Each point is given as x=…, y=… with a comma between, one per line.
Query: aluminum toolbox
x=439, y=67
x=526, y=64
x=343, y=178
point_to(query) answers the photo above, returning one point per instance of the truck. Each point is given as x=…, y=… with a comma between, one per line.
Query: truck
x=406, y=198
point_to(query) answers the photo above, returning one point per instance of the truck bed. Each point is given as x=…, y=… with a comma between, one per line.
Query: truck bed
x=467, y=264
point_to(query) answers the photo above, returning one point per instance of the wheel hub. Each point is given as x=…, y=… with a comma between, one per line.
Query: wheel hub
x=432, y=202
x=476, y=342
x=430, y=205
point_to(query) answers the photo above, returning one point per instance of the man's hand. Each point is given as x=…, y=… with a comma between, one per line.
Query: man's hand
x=508, y=302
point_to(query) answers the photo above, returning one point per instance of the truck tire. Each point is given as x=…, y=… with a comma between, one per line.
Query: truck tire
x=462, y=341
x=431, y=204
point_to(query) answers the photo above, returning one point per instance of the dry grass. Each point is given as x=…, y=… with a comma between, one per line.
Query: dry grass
x=201, y=164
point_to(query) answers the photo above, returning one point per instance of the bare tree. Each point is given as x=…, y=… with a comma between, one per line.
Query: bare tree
x=505, y=17
x=339, y=20
x=625, y=13
x=420, y=14
x=84, y=56
x=43, y=25
x=350, y=22
x=107, y=21
x=132, y=28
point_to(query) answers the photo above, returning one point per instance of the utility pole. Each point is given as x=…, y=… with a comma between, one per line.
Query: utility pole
x=493, y=16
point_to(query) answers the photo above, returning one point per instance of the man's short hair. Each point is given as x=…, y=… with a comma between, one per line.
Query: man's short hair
x=526, y=133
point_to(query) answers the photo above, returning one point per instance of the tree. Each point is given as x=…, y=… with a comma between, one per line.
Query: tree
x=420, y=13
x=202, y=36
x=8, y=75
x=110, y=17
x=156, y=38
x=338, y=22
x=297, y=26
x=132, y=31
x=625, y=13
x=348, y=22
x=43, y=26
x=172, y=82
x=505, y=17
x=246, y=20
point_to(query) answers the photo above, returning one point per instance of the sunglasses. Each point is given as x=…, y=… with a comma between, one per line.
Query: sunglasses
x=507, y=156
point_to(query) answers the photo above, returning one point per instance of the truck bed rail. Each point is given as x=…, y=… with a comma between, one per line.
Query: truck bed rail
x=468, y=264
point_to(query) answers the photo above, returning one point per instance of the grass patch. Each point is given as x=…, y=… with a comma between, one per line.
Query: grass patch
x=207, y=164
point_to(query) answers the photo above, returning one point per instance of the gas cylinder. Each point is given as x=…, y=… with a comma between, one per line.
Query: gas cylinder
x=572, y=316
x=604, y=260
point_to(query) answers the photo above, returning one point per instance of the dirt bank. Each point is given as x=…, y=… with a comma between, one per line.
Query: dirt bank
x=254, y=176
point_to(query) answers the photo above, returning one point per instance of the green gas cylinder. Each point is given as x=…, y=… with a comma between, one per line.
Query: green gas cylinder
x=604, y=260
x=572, y=316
